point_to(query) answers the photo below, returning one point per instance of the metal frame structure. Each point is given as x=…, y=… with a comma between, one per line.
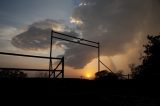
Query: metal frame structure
x=42, y=57
x=81, y=42
x=55, y=73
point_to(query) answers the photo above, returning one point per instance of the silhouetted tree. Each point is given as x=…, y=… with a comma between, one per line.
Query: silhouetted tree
x=105, y=75
x=12, y=74
x=150, y=67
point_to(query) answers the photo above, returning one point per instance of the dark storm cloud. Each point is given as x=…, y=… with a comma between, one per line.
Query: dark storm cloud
x=38, y=35
x=115, y=24
x=32, y=39
x=79, y=56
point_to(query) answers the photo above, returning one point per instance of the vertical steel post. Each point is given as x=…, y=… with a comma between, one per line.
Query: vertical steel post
x=98, y=56
x=62, y=67
x=50, y=63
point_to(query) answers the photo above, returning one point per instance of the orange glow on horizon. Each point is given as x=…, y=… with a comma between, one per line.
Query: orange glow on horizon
x=88, y=75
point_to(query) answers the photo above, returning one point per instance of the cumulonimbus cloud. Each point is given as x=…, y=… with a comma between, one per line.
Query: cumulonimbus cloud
x=114, y=23
x=38, y=35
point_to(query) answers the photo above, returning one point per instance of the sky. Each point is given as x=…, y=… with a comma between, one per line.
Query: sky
x=121, y=27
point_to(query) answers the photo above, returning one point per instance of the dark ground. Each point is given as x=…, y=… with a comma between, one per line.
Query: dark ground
x=82, y=92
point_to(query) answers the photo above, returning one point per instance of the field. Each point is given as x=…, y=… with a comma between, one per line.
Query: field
x=82, y=92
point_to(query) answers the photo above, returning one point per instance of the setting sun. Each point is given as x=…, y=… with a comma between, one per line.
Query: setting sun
x=88, y=75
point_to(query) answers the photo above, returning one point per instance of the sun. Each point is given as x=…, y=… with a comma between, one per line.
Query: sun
x=88, y=75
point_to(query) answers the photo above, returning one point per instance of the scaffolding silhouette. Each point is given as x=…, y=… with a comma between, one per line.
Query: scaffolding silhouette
x=55, y=72
x=42, y=57
x=81, y=41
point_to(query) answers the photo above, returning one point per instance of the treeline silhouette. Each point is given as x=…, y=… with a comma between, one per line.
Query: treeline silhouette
x=150, y=66
x=12, y=74
x=105, y=75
